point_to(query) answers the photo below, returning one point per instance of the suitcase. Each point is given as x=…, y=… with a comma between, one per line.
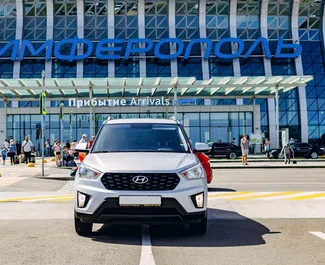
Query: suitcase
x=16, y=160
x=294, y=162
x=32, y=158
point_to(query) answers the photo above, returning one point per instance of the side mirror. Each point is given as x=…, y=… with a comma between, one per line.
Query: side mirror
x=202, y=147
x=82, y=148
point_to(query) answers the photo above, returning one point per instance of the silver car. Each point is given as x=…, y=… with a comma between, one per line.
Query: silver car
x=141, y=171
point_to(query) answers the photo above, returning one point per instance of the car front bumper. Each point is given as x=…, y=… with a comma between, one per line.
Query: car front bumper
x=170, y=212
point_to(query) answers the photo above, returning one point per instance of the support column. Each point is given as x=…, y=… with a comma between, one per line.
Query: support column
x=277, y=116
x=172, y=34
x=110, y=34
x=142, y=35
x=268, y=72
x=299, y=72
x=203, y=35
x=234, y=46
x=91, y=121
x=80, y=33
x=49, y=34
x=19, y=32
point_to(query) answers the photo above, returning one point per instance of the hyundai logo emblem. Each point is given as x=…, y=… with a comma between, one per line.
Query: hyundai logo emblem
x=140, y=179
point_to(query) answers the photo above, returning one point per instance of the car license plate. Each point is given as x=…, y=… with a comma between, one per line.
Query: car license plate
x=136, y=201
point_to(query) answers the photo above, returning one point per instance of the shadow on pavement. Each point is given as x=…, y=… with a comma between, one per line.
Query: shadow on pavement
x=220, y=189
x=225, y=229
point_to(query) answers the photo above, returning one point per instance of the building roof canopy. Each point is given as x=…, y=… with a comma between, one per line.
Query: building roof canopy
x=187, y=87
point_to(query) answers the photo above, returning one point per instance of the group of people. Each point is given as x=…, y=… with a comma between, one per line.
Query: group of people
x=13, y=150
x=286, y=151
x=65, y=155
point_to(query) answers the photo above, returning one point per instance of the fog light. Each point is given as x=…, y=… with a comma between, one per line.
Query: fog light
x=198, y=200
x=82, y=200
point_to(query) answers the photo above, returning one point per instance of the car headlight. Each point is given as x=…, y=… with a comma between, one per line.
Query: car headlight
x=86, y=172
x=195, y=172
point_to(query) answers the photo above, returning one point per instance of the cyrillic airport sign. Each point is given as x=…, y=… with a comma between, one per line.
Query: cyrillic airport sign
x=112, y=49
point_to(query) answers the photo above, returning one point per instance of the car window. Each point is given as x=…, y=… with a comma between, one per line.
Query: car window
x=139, y=137
x=304, y=145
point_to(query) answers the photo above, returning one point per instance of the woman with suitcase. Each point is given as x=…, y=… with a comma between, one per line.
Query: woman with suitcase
x=12, y=153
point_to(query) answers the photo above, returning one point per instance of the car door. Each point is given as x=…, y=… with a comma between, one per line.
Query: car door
x=302, y=149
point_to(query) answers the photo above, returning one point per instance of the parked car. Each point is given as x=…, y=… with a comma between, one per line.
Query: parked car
x=225, y=150
x=300, y=150
x=141, y=171
x=205, y=161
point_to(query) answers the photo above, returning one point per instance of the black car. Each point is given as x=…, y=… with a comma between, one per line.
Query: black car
x=300, y=150
x=224, y=150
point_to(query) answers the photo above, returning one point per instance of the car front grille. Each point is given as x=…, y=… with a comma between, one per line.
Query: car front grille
x=124, y=181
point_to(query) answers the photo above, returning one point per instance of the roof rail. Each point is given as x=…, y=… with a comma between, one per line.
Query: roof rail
x=109, y=118
x=173, y=118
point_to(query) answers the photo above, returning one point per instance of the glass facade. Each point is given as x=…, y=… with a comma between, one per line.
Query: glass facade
x=199, y=126
x=180, y=19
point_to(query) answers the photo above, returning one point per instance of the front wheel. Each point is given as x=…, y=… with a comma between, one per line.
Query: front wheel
x=82, y=229
x=314, y=155
x=199, y=228
x=232, y=155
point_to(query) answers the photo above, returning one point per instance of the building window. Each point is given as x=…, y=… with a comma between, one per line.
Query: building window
x=217, y=19
x=65, y=19
x=95, y=19
x=126, y=19
x=7, y=20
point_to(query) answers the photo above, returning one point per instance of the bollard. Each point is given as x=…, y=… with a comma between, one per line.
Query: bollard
x=44, y=161
x=31, y=165
x=52, y=159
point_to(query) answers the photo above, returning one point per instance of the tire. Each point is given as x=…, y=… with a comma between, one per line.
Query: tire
x=314, y=155
x=82, y=229
x=199, y=228
x=232, y=155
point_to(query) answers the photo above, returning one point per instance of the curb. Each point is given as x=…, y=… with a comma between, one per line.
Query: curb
x=59, y=178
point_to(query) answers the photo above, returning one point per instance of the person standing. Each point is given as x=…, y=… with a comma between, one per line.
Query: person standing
x=286, y=151
x=68, y=145
x=244, y=144
x=91, y=142
x=47, y=148
x=5, y=144
x=234, y=142
x=26, y=148
x=4, y=155
x=83, y=139
x=12, y=152
x=57, y=151
x=267, y=146
x=292, y=141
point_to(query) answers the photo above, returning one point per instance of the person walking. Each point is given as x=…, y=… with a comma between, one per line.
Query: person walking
x=83, y=139
x=244, y=144
x=5, y=144
x=57, y=152
x=286, y=151
x=12, y=151
x=26, y=148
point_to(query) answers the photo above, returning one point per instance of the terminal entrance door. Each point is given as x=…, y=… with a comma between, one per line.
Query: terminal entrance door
x=220, y=134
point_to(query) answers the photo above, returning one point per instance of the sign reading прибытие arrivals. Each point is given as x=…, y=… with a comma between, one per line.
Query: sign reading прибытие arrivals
x=119, y=102
x=112, y=49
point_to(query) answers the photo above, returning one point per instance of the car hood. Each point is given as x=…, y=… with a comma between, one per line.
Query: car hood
x=140, y=162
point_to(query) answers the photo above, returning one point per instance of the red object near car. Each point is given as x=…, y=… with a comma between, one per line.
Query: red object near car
x=205, y=161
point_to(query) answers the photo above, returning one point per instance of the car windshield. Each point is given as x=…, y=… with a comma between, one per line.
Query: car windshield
x=140, y=137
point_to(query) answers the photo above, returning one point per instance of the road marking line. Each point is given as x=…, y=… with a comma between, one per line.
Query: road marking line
x=267, y=195
x=146, y=250
x=319, y=234
x=311, y=196
x=34, y=198
x=226, y=194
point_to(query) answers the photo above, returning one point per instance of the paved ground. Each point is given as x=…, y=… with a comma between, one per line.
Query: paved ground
x=255, y=217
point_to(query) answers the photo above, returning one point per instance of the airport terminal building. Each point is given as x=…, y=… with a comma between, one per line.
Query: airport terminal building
x=218, y=65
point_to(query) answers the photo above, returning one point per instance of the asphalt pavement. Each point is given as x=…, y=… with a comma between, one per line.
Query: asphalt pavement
x=255, y=217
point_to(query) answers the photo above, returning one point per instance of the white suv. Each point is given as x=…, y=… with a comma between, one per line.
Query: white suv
x=141, y=171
